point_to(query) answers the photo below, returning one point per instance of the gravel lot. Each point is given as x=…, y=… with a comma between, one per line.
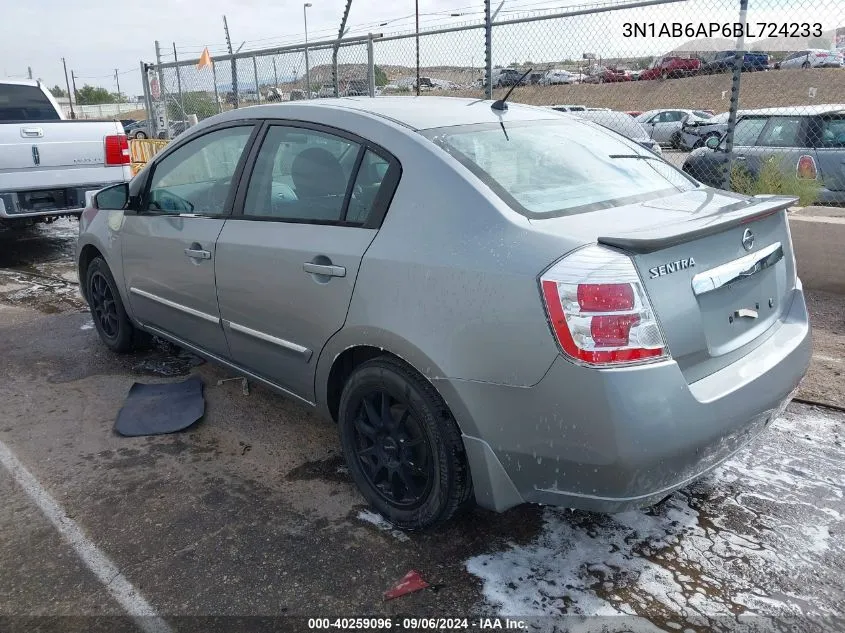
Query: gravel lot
x=251, y=512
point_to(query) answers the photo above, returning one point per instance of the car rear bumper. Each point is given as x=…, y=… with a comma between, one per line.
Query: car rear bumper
x=609, y=440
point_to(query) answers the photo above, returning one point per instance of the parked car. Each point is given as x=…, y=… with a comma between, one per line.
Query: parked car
x=634, y=113
x=558, y=77
x=623, y=124
x=723, y=62
x=502, y=77
x=360, y=87
x=274, y=94
x=584, y=361
x=569, y=108
x=695, y=132
x=812, y=58
x=607, y=75
x=664, y=126
x=142, y=129
x=127, y=122
x=807, y=141
x=671, y=67
x=47, y=164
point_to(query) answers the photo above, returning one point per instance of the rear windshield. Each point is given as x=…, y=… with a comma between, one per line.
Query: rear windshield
x=547, y=169
x=25, y=103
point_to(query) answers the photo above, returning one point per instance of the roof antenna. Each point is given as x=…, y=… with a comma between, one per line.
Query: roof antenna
x=500, y=104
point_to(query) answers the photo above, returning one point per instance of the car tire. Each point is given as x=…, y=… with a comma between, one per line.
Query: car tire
x=805, y=65
x=402, y=445
x=140, y=135
x=107, y=311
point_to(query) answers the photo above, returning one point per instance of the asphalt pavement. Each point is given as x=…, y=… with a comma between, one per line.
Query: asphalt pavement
x=251, y=512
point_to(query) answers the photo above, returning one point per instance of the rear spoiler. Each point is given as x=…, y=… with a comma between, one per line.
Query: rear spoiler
x=657, y=238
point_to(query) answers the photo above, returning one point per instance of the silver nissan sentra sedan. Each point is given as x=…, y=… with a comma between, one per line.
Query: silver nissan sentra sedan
x=506, y=305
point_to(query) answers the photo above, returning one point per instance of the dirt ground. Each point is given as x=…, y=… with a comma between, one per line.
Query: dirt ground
x=251, y=512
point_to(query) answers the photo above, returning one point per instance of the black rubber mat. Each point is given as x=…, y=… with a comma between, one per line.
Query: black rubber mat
x=158, y=409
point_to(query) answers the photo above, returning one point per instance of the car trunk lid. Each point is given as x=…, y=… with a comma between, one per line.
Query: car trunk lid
x=718, y=268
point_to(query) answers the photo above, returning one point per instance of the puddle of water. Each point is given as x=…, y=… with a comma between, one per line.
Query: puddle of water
x=760, y=537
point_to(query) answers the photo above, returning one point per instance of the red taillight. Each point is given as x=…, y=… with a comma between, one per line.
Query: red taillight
x=605, y=297
x=117, y=150
x=807, y=168
x=606, y=321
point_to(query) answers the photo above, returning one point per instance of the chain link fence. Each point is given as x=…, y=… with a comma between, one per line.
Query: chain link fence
x=756, y=111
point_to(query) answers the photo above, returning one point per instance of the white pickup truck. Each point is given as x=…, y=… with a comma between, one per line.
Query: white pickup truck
x=47, y=163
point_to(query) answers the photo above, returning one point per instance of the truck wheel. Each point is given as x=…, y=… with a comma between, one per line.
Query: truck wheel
x=402, y=445
x=109, y=315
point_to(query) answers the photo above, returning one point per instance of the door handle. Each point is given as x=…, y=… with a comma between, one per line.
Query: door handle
x=323, y=269
x=197, y=253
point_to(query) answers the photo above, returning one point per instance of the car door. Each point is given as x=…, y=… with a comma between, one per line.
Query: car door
x=288, y=258
x=168, y=243
x=828, y=137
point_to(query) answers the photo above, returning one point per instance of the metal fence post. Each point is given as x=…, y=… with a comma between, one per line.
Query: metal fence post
x=739, y=60
x=179, y=83
x=216, y=94
x=145, y=84
x=163, y=94
x=488, y=51
x=371, y=66
x=255, y=72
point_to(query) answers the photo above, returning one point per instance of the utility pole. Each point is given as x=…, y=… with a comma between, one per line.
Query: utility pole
x=117, y=81
x=417, y=15
x=29, y=71
x=69, y=96
x=179, y=84
x=488, y=52
x=232, y=62
x=307, y=65
x=73, y=80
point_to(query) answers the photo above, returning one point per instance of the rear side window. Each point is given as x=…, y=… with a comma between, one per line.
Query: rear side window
x=552, y=168
x=301, y=175
x=25, y=103
x=833, y=132
x=782, y=132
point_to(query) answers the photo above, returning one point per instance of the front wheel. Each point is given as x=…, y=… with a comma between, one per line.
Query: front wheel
x=109, y=315
x=402, y=445
x=805, y=65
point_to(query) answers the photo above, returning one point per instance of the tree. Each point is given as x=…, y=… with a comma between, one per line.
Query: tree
x=57, y=91
x=200, y=103
x=380, y=75
x=94, y=95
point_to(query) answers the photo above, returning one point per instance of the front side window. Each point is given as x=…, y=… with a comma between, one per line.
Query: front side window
x=554, y=168
x=197, y=177
x=747, y=131
x=782, y=132
x=301, y=175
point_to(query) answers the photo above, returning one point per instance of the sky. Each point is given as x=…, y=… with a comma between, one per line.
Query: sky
x=96, y=39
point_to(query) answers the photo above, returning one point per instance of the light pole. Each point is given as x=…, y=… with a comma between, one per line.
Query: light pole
x=307, y=68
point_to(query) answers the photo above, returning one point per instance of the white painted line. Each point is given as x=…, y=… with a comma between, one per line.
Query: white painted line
x=106, y=571
x=829, y=359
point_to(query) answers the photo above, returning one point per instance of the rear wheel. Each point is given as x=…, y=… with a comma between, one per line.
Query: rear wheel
x=110, y=318
x=402, y=445
x=805, y=65
x=140, y=135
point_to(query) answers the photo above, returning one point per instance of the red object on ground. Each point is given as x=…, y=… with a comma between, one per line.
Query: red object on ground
x=411, y=582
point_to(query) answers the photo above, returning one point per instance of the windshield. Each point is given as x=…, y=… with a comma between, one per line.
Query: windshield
x=553, y=168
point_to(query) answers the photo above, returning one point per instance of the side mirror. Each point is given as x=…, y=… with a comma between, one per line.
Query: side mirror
x=713, y=142
x=114, y=197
